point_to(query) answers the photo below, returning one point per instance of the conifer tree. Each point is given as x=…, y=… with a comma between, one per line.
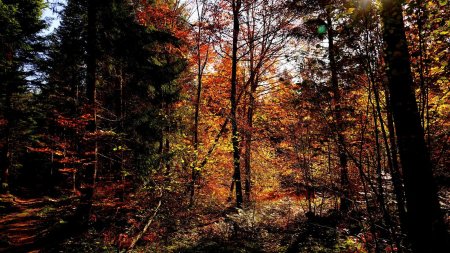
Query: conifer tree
x=20, y=24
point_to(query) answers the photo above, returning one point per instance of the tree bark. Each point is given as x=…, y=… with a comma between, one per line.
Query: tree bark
x=250, y=110
x=345, y=202
x=87, y=193
x=426, y=229
x=236, y=5
x=195, y=172
x=5, y=152
x=395, y=171
x=248, y=143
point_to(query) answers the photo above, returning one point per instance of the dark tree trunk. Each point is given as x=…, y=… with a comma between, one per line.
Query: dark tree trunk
x=195, y=171
x=5, y=152
x=378, y=119
x=391, y=150
x=248, y=145
x=426, y=229
x=345, y=202
x=393, y=170
x=87, y=192
x=370, y=209
x=381, y=195
x=236, y=5
x=250, y=112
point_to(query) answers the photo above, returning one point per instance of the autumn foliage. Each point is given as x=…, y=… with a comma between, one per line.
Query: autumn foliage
x=224, y=126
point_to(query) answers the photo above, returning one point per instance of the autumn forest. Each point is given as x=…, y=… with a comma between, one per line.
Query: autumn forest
x=225, y=126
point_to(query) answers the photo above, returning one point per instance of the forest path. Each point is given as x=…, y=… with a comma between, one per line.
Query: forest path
x=269, y=226
x=26, y=225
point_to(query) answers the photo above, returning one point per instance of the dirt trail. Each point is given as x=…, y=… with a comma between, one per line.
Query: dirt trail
x=26, y=225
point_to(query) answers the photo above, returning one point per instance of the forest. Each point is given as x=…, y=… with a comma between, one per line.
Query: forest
x=225, y=126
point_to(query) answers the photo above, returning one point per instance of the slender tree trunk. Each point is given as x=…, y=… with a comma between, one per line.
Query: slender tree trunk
x=5, y=152
x=7, y=131
x=343, y=161
x=381, y=199
x=378, y=119
x=396, y=175
x=423, y=71
x=195, y=170
x=421, y=19
x=87, y=194
x=307, y=168
x=393, y=169
x=250, y=113
x=248, y=145
x=364, y=180
x=391, y=155
x=381, y=195
x=426, y=229
x=236, y=5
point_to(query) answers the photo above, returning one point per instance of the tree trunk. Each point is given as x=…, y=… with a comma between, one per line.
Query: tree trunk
x=87, y=193
x=395, y=171
x=250, y=110
x=236, y=5
x=426, y=229
x=5, y=150
x=345, y=182
x=195, y=171
x=380, y=197
x=378, y=117
x=248, y=146
x=363, y=178
x=5, y=158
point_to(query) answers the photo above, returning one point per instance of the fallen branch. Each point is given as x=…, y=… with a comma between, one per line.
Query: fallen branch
x=149, y=222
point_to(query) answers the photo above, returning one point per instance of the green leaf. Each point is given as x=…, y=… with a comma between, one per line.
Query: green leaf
x=321, y=29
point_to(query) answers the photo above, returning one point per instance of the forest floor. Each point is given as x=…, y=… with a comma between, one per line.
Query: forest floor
x=274, y=225
x=27, y=224
x=36, y=225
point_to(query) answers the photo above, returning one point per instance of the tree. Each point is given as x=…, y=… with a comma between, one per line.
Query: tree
x=202, y=55
x=265, y=26
x=19, y=40
x=426, y=229
x=99, y=60
x=91, y=166
x=426, y=33
x=236, y=8
x=320, y=22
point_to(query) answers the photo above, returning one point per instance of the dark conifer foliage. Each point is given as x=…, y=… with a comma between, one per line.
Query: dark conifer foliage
x=135, y=83
x=20, y=43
